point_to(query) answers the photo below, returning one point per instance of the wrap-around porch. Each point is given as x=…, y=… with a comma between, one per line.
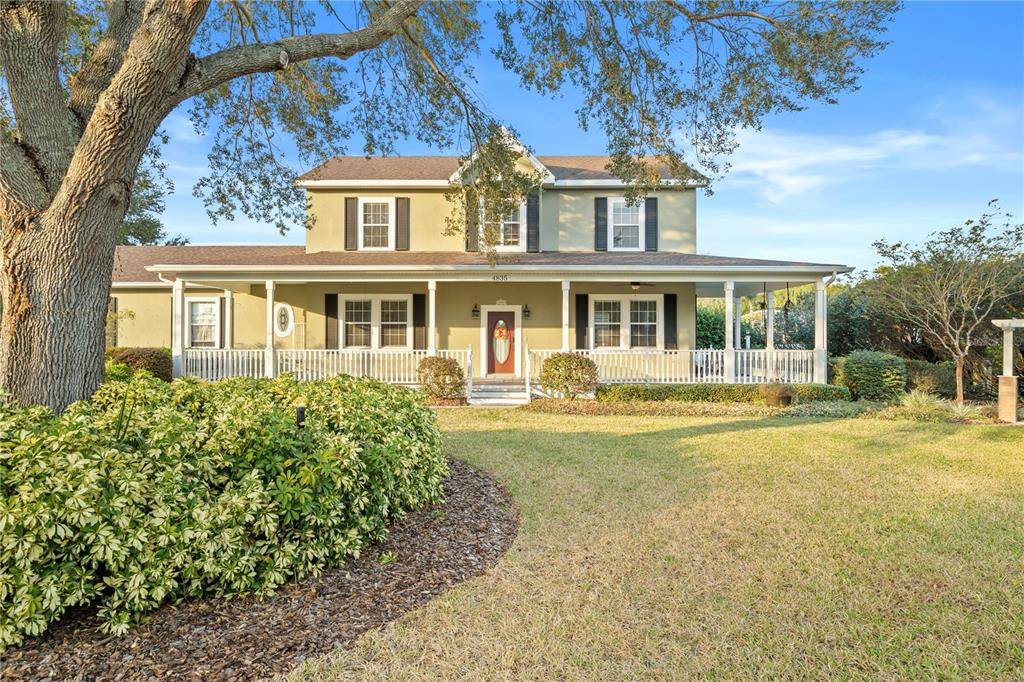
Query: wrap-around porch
x=581, y=319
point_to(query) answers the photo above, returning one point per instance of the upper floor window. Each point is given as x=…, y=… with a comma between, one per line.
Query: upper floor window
x=510, y=231
x=625, y=226
x=377, y=223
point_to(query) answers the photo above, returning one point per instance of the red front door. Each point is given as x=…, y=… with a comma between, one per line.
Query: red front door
x=501, y=343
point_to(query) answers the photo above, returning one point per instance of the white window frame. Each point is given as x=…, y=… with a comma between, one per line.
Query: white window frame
x=375, y=317
x=621, y=201
x=390, y=201
x=625, y=320
x=215, y=300
x=501, y=248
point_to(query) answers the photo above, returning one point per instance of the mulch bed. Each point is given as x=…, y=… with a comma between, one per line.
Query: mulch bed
x=249, y=638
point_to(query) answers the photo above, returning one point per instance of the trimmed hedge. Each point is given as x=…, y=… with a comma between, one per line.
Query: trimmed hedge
x=152, y=491
x=649, y=408
x=871, y=375
x=715, y=393
x=568, y=375
x=441, y=379
x=156, y=361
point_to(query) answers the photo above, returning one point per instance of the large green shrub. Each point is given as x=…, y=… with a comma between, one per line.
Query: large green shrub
x=932, y=377
x=442, y=378
x=156, y=361
x=153, y=491
x=715, y=393
x=568, y=375
x=871, y=375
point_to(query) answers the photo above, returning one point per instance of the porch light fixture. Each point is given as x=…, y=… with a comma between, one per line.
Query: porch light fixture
x=526, y=312
x=476, y=311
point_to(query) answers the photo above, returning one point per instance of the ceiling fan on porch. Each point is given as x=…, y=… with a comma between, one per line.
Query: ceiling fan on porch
x=636, y=285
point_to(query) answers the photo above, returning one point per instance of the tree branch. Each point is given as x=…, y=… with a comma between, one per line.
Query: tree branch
x=231, y=63
x=31, y=38
x=124, y=18
x=22, y=192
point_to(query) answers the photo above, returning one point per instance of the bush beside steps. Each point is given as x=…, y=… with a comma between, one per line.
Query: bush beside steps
x=153, y=492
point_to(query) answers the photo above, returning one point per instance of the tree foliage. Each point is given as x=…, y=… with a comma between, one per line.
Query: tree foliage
x=951, y=287
x=86, y=87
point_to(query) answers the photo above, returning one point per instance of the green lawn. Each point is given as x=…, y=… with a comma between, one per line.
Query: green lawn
x=660, y=548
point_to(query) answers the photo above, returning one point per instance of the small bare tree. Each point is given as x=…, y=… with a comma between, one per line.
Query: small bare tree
x=952, y=286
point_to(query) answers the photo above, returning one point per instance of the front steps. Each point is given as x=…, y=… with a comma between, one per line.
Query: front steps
x=498, y=392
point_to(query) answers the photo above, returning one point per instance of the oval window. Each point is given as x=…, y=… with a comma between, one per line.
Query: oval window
x=284, y=319
x=502, y=342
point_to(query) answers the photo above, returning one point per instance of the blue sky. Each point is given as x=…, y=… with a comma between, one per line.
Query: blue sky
x=935, y=131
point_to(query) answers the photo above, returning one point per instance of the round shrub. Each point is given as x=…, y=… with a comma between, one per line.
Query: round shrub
x=569, y=375
x=155, y=491
x=156, y=361
x=871, y=375
x=441, y=378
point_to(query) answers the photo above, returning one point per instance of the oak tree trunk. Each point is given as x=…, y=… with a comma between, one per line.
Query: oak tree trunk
x=55, y=284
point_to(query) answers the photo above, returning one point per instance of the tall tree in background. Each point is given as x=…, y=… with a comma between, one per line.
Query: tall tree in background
x=86, y=86
x=950, y=288
x=142, y=224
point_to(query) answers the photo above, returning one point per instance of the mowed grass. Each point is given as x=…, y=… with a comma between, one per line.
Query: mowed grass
x=668, y=548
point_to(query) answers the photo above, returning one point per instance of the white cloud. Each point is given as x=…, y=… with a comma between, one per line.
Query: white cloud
x=980, y=134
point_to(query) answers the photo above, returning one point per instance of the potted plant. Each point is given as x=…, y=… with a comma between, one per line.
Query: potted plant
x=777, y=395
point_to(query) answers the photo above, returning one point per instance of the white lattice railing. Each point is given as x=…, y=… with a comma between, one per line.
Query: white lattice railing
x=690, y=366
x=222, y=363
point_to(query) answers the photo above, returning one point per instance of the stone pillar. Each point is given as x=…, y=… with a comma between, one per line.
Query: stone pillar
x=730, y=347
x=1008, y=380
x=178, y=328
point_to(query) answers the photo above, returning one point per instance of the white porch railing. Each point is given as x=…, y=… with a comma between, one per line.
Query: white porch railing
x=766, y=366
x=223, y=363
x=392, y=366
x=690, y=366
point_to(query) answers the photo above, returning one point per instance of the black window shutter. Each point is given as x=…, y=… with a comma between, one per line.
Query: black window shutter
x=670, y=325
x=472, y=222
x=651, y=224
x=402, y=224
x=600, y=224
x=533, y=222
x=331, y=314
x=419, y=321
x=351, y=226
x=582, y=321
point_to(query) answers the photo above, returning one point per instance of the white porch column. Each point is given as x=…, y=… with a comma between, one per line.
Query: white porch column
x=769, y=329
x=737, y=322
x=565, y=315
x=820, y=332
x=431, y=317
x=269, y=370
x=178, y=328
x=730, y=336
x=229, y=318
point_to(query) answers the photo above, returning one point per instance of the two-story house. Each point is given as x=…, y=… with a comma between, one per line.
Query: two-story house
x=379, y=285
